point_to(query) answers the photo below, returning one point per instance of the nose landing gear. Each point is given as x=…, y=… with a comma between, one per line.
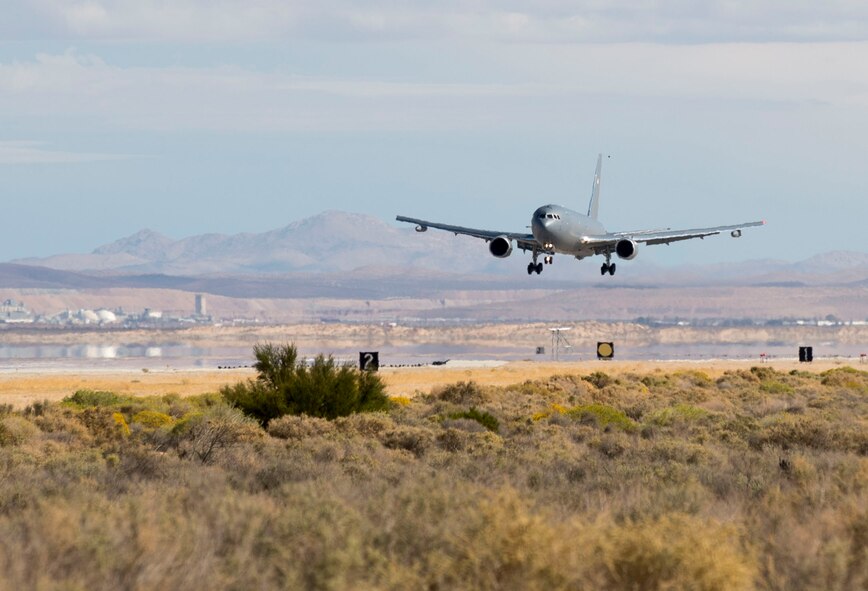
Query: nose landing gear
x=535, y=267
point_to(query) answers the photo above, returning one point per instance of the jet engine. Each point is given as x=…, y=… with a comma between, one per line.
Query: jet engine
x=501, y=247
x=627, y=249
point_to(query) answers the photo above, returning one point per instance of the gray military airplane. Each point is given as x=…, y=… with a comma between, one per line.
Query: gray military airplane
x=558, y=230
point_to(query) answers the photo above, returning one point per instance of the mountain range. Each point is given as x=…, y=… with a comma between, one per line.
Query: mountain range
x=336, y=243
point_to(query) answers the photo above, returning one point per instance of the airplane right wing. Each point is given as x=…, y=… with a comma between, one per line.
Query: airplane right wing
x=651, y=237
x=522, y=240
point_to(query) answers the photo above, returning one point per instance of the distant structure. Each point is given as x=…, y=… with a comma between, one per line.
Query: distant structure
x=559, y=341
x=201, y=306
x=12, y=312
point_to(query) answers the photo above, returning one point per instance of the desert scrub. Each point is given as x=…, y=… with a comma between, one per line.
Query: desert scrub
x=787, y=430
x=15, y=430
x=846, y=377
x=152, y=419
x=484, y=418
x=601, y=415
x=599, y=379
x=413, y=439
x=694, y=378
x=776, y=387
x=299, y=427
x=88, y=398
x=675, y=552
x=462, y=393
x=679, y=413
x=104, y=425
x=205, y=434
x=410, y=499
x=287, y=384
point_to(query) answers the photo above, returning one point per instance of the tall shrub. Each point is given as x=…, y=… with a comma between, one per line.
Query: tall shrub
x=287, y=384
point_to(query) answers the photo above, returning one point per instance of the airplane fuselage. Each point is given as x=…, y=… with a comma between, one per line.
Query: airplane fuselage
x=562, y=230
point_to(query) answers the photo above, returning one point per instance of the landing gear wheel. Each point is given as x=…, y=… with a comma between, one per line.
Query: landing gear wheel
x=530, y=268
x=604, y=269
x=612, y=269
x=539, y=268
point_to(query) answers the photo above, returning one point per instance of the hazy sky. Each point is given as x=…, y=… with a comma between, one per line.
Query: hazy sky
x=196, y=116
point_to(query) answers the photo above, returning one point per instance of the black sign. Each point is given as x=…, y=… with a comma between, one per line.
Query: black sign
x=806, y=354
x=605, y=350
x=369, y=360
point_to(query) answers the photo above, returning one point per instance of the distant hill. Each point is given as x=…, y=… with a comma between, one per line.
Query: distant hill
x=332, y=241
x=336, y=242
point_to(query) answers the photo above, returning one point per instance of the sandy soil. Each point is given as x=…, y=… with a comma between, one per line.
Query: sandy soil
x=21, y=389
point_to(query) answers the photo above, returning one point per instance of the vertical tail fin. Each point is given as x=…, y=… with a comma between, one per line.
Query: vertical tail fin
x=594, y=205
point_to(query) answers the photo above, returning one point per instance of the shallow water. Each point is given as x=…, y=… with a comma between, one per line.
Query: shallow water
x=179, y=355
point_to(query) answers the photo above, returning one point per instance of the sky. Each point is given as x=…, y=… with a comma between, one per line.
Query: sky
x=227, y=116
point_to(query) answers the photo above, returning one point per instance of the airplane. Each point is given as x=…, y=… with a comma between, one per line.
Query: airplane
x=559, y=230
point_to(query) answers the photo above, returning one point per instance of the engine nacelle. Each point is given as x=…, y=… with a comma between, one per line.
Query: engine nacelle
x=421, y=228
x=501, y=247
x=627, y=249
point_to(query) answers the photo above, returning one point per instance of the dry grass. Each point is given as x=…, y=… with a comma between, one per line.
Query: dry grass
x=689, y=478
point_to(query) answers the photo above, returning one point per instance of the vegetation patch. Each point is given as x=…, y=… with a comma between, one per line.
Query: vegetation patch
x=601, y=415
x=679, y=413
x=152, y=419
x=86, y=398
x=486, y=419
x=775, y=387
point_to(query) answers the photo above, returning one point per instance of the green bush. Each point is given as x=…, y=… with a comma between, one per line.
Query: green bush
x=486, y=419
x=599, y=378
x=603, y=415
x=86, y=398
x=287, y=384
x=462, y=393
x=152, y=419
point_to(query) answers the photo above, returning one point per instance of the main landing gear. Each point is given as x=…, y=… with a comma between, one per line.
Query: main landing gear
x=608, y=266
x=535, y=267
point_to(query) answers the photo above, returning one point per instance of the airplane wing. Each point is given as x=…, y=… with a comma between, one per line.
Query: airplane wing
x=522, y=240
x=665, y=236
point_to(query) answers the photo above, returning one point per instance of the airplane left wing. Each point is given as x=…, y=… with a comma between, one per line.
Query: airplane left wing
x=665, y=236
x=522, y=240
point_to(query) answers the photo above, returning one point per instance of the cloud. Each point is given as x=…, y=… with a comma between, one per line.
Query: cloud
x=529, y=85
x=31, y=152
x=543, y=21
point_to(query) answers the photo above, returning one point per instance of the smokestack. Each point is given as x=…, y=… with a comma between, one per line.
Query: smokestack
x=201, y=308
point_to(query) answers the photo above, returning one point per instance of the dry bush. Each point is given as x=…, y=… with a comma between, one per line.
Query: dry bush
x=103, y=425
x=463, y=393
x=365, y=424
x=675, y=552
x=60, y=424
x=413, y=439
x=204, y=435
x=299, y=427
x=15, y=430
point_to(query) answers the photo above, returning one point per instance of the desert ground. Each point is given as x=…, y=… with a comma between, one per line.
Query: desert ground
x=21, y=388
